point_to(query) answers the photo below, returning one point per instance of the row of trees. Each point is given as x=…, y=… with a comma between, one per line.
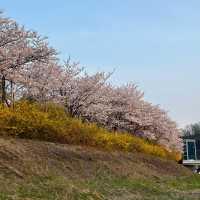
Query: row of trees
x=29, y=68
x=192, y=130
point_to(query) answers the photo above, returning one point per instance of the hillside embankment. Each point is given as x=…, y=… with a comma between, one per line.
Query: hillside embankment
x=32, y=169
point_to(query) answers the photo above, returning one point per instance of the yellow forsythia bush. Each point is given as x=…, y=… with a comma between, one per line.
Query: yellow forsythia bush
x=49, y=122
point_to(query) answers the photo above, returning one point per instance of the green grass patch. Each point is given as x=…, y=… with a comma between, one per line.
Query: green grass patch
x=112, y=188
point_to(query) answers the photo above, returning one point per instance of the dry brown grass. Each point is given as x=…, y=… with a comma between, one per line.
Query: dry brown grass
x=26, y=157
x=41, y=170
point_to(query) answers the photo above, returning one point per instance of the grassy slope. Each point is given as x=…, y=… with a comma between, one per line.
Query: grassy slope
x=41, y=170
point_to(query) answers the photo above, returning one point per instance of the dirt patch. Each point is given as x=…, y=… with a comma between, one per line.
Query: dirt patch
x=27, y=157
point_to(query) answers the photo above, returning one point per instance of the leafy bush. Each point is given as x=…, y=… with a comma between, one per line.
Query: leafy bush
x=50, y=123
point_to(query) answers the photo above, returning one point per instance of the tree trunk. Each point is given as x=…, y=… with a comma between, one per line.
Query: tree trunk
x=3, y=88
x=12, y=94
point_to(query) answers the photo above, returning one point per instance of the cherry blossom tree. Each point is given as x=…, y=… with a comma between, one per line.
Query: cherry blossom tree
x=29, y=68
x=19, y=47
x=82, y=92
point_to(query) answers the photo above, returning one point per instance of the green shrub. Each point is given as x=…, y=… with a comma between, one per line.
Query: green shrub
x=49, y=122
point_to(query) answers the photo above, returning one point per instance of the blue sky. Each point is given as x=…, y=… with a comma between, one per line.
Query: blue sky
x=153, y=43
